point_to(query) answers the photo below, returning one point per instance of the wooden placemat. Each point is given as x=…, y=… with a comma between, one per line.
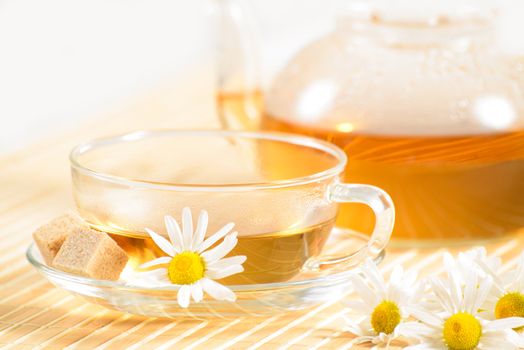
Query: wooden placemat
x=35, y=187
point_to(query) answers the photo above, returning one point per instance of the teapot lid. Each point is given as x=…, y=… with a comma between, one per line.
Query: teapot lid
x=506, y=16
x=421, y=11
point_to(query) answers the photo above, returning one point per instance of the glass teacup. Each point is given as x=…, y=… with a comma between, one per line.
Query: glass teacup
x=282, y=213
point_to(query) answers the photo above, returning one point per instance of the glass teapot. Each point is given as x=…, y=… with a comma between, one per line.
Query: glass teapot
x=427, y=100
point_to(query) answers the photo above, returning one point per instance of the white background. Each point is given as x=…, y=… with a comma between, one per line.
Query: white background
x=63, y=61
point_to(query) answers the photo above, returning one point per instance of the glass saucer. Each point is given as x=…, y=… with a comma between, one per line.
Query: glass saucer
x=307, y=289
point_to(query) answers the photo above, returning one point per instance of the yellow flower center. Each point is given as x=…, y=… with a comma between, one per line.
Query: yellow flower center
x=511, y=304
x=386, y=317
x=186, y=268
x=462, y=331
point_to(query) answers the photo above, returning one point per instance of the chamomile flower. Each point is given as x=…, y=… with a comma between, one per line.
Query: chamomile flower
x=190, y=263
x=458, y=325
x=383, y=306
x=506, y=298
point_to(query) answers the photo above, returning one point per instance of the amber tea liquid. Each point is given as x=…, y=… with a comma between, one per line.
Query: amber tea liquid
x=239, y=110
x=444, y=188
x=271, y=257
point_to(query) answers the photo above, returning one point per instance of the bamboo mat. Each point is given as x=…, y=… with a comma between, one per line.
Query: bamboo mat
x=35, y=315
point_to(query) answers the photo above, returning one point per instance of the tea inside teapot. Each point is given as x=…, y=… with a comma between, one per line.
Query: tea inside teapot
x=430, y=111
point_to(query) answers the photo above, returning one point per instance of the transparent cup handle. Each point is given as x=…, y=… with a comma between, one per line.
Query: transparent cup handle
x=381, y=204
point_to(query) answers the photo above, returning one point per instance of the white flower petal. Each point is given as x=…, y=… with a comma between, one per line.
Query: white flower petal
x=162, y=243
x=449, y=262
x=505, y=323
x=196, y=292
x=161, y=281
x=366, y=339
x=418, y=292
x=220, y=250
x=158, y=261
x=397, y=275
x=414, y=330
x=508, y=281
x=175, y=235
x=384, y=338
x=200, y=232
x=354, y=329
x=442, y=295
x=225, y=262
x=484, y=288
x=380, y=339
x=423, y=347
x=358, y=306
x=216, y=290
x=496, y=341
x=215, y=237
x=360, y=326
x=409, y=279
x=491, y=335
x=519, y=279
x=187, y=228
x=479, y=251
x=470, y=295
x=363, y=290
x=373, y=275
x=183, y=295
x=487, y=314
x=396, y=294
x=516, y=338
x=224, y=272
x=455, y=291
x=429, y=319
x=489, y=271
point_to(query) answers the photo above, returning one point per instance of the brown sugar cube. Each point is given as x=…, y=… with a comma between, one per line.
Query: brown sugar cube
x=91, y=253
x=50, y=237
